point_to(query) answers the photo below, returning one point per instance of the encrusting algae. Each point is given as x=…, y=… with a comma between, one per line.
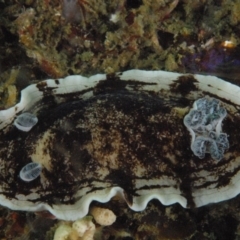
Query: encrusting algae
x=86, y=37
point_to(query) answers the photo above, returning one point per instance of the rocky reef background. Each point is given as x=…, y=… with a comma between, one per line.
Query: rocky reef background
x=51, y=39
x=42, y=39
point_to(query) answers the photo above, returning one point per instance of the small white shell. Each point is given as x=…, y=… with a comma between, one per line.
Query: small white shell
x=25, y=121
x=30, y=171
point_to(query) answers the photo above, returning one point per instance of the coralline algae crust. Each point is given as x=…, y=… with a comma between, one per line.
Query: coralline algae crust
x=116, y=134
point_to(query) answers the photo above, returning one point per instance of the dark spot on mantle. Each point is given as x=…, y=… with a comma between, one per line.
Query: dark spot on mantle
x=184, y=85
x=113, y=83
x=41, y=85
x=120, y=178
x=56, y=81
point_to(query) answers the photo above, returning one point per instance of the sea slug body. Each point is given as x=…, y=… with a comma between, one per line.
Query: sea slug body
x=124, y=134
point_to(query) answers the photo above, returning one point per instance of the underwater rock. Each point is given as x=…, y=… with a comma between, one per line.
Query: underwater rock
x=83, y=229
x=222, y=61
x=103, y=216
x=71, y=11
x=120, y=134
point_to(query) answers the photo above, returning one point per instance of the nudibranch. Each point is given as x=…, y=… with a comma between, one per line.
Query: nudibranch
x=141, y=135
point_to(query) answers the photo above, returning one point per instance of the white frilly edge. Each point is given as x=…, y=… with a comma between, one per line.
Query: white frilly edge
x=31, y=95
x=81, y=208
x=75, y=83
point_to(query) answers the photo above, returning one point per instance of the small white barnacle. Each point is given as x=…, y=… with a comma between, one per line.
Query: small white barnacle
x=202, y=145
x=200, y=104
x=25, y=121
x=199, y=146
x=204, y=121
x=222, y=141
x=30, y=171
x=194, y=119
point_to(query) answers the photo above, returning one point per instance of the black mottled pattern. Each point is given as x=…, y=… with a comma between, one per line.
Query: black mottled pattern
x=114, y=138
x=184, y=85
